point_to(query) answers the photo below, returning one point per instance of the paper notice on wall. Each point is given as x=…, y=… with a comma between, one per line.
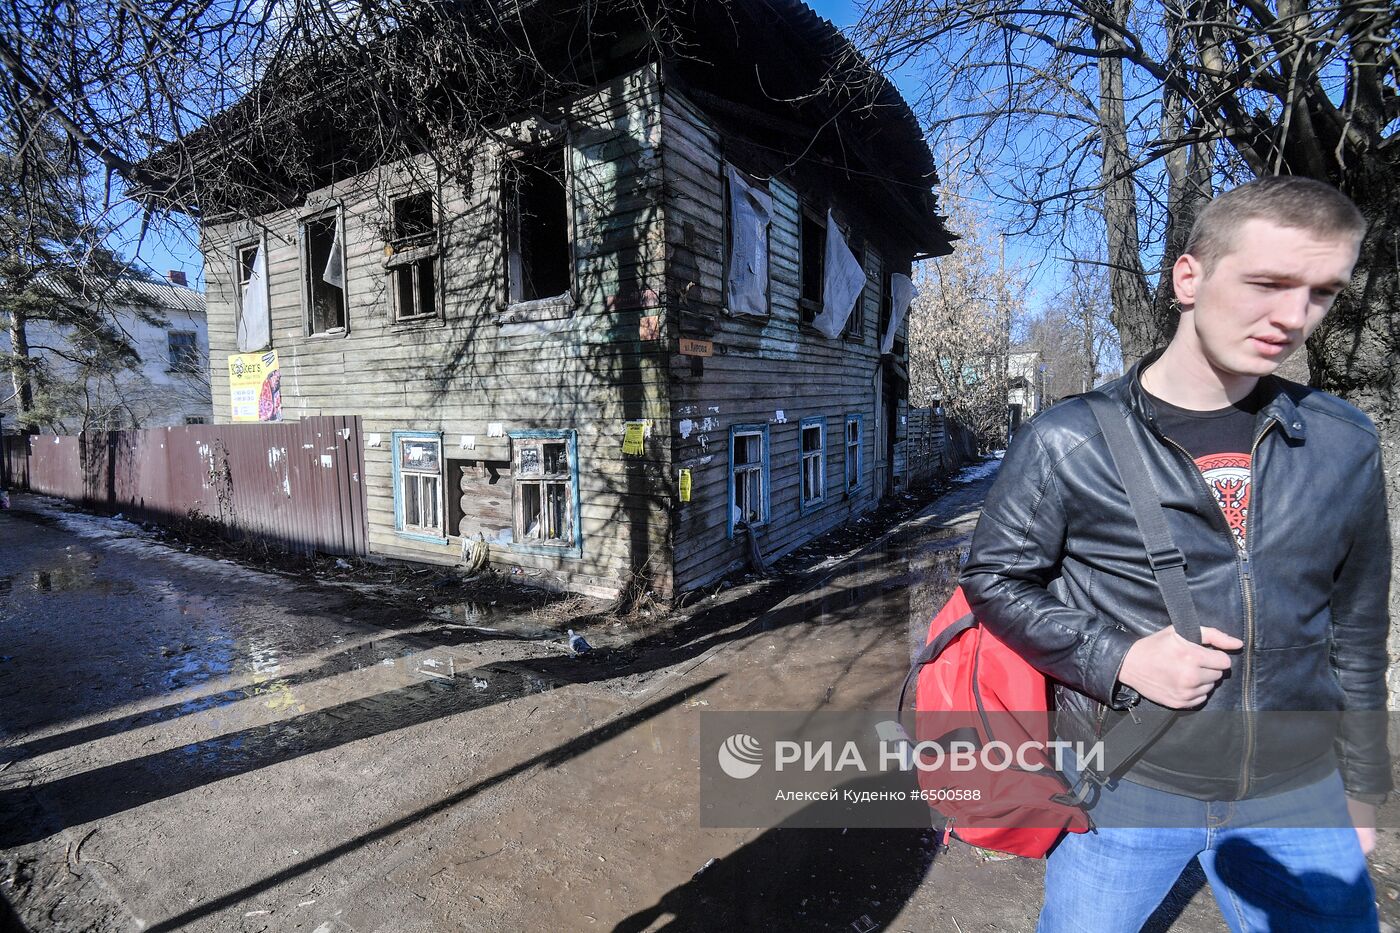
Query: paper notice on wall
x=634, y=437
x=749, y=211
x=255, y=387
x=902, y=292
x=254, y=322
x=685, y=485
x=844, y=281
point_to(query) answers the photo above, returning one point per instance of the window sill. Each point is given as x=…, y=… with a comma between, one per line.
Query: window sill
x=420, y=320
x=425, y=537
x=335, y=333
x=409, y=254
x=538, y=310
x=571, y=551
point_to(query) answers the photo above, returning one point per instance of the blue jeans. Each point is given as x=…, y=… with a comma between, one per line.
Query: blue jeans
x=1268, y=872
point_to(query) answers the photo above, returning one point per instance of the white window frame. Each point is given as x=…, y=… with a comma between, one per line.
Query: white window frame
x=755, y=475
x=412, y=526
x=853, y=464
x=812, y=464
x=522, y=441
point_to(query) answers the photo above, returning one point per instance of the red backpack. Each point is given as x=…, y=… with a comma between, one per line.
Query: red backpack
x=971, y=688
x=974, y=690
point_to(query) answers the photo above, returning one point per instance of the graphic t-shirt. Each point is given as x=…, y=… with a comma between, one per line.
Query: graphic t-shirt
x=1220, y=443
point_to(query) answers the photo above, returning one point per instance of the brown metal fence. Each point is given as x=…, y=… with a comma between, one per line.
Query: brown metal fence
x=298, y=484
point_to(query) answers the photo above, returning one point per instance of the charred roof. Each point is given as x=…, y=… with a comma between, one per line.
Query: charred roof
x=772, y=72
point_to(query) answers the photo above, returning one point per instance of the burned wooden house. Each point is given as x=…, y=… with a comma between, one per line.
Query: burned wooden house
x=633, y=325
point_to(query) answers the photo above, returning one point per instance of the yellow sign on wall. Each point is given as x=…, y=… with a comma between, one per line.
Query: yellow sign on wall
x=685, y=485
x=634, y=437
x=255, y=386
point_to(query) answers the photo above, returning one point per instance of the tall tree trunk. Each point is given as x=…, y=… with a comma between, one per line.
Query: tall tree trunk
x=19, y=375
x=1189, y=184
x=1132, y=306
x=1355, y=353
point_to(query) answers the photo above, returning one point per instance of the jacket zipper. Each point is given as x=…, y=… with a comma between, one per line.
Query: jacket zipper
x=1247, y=691
x=1247, y=586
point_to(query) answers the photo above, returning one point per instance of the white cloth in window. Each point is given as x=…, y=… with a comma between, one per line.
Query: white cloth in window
x=254, y=323
x=902, y=292
x=750, y=210
x=845, y=280
x=335, y=265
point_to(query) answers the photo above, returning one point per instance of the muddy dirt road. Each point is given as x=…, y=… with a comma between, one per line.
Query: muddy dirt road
x=191, y=745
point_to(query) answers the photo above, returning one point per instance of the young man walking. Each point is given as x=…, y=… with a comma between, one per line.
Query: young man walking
x=1274, y=494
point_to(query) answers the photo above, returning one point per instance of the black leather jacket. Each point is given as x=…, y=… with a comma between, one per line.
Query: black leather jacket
x=1059, y=572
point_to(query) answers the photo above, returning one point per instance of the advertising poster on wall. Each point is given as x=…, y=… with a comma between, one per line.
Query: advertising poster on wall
x=255, y=386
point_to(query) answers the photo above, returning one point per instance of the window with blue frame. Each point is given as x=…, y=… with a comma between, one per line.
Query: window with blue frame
x=545, y=470
x=853, y=443
x=813, y=462
x=418, y=484
x=748, y=475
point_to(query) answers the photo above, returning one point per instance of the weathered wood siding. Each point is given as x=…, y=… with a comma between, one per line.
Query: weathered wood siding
x=458, y=376
x=773, y=371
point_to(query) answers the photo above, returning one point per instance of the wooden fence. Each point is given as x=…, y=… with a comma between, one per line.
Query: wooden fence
x=932, y=446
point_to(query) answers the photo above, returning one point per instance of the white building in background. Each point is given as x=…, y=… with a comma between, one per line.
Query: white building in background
x=170, y=387
x=1025, y=389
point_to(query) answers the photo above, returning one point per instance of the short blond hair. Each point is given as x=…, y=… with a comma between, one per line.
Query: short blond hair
x=1287, y=200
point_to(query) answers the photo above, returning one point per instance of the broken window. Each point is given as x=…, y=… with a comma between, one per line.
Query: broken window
x=323, y=274
x=895, y=297
x=748, y=446
x=855, y=324
x=418, y=471
x=538, y=257
x=184, y=351
x=853, y=428
x=247, y=259
x=413, y=257
x=813, y=461
x=813, y=262
x=545, y=481
x=253, y=326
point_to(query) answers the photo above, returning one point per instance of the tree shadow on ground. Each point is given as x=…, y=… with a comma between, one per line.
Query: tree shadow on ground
x=804, y=879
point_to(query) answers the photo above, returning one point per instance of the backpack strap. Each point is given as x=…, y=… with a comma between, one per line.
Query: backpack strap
x=932, y=649
x=1167, y=562
x=1131, y=736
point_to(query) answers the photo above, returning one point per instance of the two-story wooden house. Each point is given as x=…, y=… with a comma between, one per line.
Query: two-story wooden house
x=656, y=316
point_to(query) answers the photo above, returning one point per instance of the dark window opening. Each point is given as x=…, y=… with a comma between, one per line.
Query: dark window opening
x=247, y=258
x=813, y=236
x=537, y=227
x=413, y=217
x=325, y=275
x=184, y=351
x=415, y=285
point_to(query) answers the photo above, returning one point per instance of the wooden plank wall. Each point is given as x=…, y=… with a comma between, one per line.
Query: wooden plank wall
x=458, y=376
x=774, y=371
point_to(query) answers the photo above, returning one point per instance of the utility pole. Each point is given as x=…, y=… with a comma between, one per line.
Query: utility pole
x=1005, y=308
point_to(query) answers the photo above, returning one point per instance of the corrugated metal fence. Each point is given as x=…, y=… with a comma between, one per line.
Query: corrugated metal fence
x=298, y=484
